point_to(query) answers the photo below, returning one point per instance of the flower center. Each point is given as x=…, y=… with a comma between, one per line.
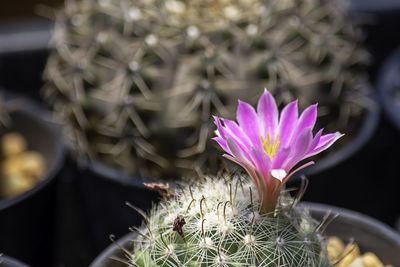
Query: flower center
x=270, y=148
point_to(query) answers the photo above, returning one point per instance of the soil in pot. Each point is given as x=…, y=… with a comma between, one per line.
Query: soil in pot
x=27, y=220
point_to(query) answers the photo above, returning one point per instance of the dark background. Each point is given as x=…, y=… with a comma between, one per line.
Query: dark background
x=367, y=182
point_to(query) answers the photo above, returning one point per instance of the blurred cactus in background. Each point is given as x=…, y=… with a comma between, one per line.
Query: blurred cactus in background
x=135, y=82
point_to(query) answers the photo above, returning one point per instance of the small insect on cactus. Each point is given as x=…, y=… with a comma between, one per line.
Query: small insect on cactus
x=135, y=82
x=219, y=221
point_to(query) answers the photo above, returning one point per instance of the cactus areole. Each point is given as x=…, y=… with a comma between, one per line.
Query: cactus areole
x=268, y=145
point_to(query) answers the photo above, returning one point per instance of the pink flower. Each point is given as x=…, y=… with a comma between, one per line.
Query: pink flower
x=268, y=146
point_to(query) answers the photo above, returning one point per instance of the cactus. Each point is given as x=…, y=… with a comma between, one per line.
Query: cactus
x=217, y=223
x=135, y=81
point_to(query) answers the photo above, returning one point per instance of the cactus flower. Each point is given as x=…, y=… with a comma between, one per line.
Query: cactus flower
x=268, y=145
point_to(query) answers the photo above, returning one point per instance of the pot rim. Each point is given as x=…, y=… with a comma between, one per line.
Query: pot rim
x=112, y=249
x=372, y=6
x=31, y=110
x=12, y=262
x=361, y=220
x=25, y=35
x=384, y=85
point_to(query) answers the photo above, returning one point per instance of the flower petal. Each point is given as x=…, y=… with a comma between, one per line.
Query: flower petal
x=281, y=156
x=313, y=144
x=279, y=174
x=220, y=129
x=249, y=169
x=268, y=114
x=248, y=121
x=222, y=143
x=307, y=120
x=238, y=152
x=301, y=147
x=287, y=123
x=262, y=163
x=296, y=170
x=232, y=129
x=325, y=141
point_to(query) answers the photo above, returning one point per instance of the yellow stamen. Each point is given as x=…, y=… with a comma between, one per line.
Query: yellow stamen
x=270, y=148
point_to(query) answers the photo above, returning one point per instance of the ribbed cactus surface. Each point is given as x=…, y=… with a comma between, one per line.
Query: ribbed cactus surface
x=135, y=82
x=217, y=222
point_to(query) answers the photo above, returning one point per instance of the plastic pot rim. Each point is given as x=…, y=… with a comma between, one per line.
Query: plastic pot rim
x=8, y=261
x=383, y=85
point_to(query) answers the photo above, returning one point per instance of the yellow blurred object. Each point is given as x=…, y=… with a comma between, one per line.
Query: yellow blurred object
x=32, y=164
x=335, y=247
x=12, y=144
x=350, y=253
x=349, y=256
x=10, y=166
x=20, y=169
x=358, y=262
x=371, y=260
x=14, y=185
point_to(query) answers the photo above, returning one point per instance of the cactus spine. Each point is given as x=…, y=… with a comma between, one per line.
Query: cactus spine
x=217, y=223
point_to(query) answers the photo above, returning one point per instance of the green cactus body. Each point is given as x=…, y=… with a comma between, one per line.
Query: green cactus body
x=135, y=82
x=224, y=228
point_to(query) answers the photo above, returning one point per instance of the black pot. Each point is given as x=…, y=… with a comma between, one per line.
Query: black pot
x=27, y=221
x=389, y=87
x=104, y=192
x=369, y=234
x=6, y=261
